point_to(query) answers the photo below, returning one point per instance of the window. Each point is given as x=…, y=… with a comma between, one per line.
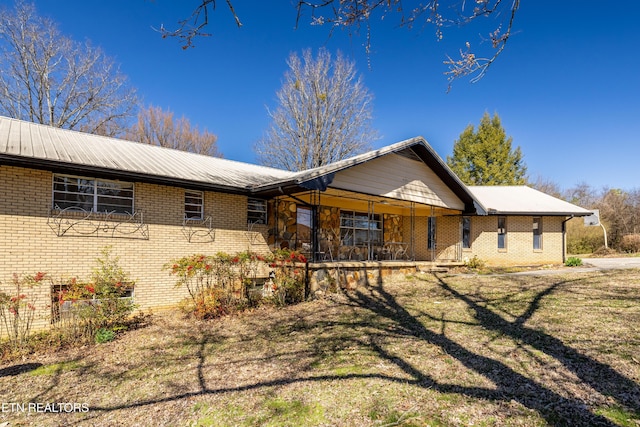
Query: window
x=502, y=232
x=431, y=233
x=92, y=195
x=360, y=229
x=256, y=211
x=193, y=204
x=537, y=233
x=304, y=229
x=466, y=232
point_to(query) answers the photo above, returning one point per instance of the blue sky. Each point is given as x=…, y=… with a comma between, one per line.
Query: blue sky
x=566, y=88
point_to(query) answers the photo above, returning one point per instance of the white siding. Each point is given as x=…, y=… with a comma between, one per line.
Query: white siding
x=400, y=178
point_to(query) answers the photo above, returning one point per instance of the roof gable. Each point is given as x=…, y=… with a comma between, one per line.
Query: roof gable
x=399, y=177
x=450, y=188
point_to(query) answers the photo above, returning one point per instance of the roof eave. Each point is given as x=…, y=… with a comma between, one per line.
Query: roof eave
x=103, y=172
x=535, y=213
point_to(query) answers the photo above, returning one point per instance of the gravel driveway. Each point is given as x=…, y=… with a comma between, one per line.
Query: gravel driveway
x=613, y=263
x=589, y=264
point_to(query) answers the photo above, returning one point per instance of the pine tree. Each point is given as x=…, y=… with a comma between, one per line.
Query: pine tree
x=485, y=157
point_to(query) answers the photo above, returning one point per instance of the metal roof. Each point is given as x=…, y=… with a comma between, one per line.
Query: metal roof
x=35, y=145
x=45, y=146
x=522, y=200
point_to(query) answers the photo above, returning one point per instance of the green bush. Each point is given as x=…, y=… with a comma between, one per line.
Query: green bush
x=573, y=262
x=104, y=335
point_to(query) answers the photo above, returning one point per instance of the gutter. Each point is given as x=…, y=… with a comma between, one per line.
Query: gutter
x=108, y=173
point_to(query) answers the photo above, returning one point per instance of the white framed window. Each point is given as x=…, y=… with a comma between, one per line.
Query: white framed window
x=256, y=211
x=537, y=233
x=360, y=229
x=92, y=195
x=193, y=204
x=502, y=232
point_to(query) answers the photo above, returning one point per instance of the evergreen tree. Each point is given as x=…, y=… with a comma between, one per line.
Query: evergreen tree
x=485, y=157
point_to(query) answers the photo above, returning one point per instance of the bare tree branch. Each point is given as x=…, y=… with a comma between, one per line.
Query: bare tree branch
x=357, y=14
x=192, y=27
x=47, y=78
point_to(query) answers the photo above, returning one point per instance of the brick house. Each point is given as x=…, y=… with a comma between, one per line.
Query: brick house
x=65, y=195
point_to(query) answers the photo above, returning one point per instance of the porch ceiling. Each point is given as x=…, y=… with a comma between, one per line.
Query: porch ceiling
x=346, y=199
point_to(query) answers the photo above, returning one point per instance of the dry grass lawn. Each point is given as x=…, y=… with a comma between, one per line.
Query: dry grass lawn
x=439, y=350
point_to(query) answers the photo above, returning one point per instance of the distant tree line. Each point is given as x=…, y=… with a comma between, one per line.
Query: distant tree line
x=619, y=213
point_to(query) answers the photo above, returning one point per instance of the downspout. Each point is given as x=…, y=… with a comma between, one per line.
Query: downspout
x=564, y=238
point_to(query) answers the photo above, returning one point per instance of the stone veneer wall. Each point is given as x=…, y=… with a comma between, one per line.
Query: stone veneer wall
x=325, y=278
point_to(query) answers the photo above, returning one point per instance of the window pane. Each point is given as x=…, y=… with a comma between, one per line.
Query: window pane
x=193, y=204
x=346, y=237
x=256, y=211
x=358, y=228
x=73, y=192
x=466, y=232
x=537, y=233
x=502, y=232
x=431, y=232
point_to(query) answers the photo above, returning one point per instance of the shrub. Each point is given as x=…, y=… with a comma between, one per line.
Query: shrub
x=474, y=263
x=630, y=243
x=104, y=335
x=86, y=307
x=217, y=285
x=209, y=281
x=288, y=281
x=17, y=310
x=573, y=262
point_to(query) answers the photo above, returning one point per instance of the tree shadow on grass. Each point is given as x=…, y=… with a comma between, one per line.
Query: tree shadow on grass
x=597, y=375
x=556, y=409
x=392, y=319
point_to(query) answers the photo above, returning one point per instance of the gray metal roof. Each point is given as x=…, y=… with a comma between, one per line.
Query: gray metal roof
x=22, y=141
x=36, y=145
x=522, y=200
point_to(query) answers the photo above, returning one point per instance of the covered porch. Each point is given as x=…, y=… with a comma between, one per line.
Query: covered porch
x=337, y=225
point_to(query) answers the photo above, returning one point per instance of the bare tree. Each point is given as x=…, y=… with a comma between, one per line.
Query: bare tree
x=547, y=186
x=583, y=195
x=158, y=127
x=356, y=14
x=324, y=114
x=47, y=78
